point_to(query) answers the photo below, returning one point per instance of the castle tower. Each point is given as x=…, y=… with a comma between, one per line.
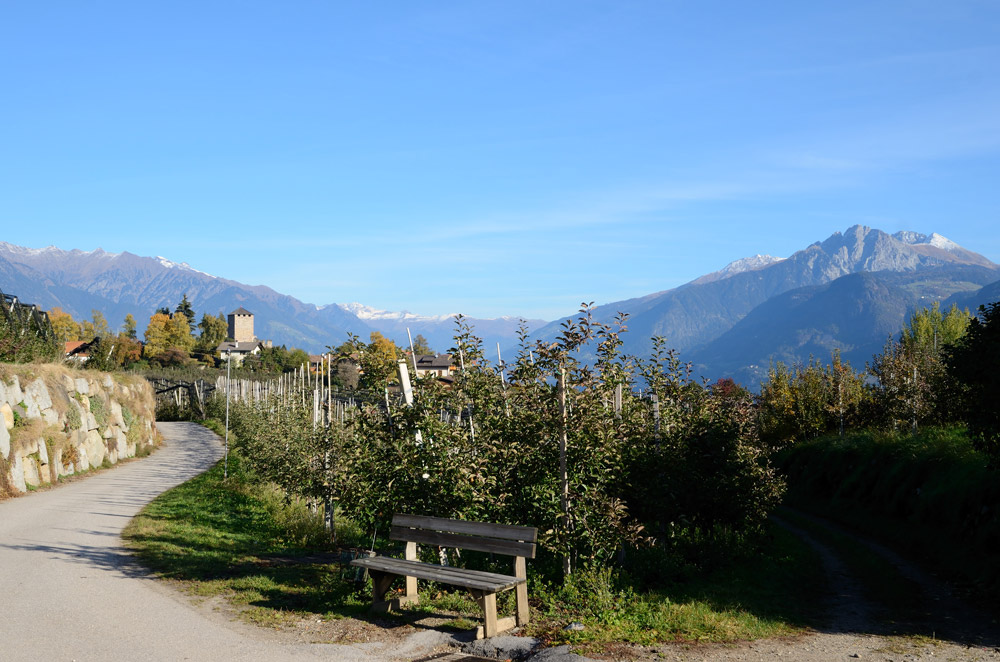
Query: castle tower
x=241, y=325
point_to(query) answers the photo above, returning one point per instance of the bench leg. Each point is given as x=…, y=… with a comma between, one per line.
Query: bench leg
x=488, y=603
x=521, y=592
x=381, y=581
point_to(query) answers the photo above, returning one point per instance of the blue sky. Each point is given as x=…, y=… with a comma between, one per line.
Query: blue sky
x=493, y=158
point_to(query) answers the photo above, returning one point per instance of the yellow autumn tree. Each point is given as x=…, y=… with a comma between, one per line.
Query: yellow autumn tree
x=63, y=325
x=157, y=335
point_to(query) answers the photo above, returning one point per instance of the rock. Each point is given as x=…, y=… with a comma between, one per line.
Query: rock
x=108, y=383
x=91, y=421
x=36, y=398
x=17, y=474
x=8, y=415
x=4, y=442
x=13, y=390
x=31, y=474
x=83, y=463
x=50, y=416
x=82, y=386
x=96, y=449
x=575, y=626
x=43, y=451
x=504, y=647
x=123, y=445
x=68, y=384
x=116, y=414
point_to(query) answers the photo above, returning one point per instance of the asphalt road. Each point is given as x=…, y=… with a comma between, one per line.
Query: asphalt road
x=69, y=590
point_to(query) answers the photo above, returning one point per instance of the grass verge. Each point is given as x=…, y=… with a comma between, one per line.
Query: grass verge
x=239, y=540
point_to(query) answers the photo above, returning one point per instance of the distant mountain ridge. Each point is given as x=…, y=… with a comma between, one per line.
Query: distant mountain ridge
x=849, y=291
x=693, y=316
x=121, y=283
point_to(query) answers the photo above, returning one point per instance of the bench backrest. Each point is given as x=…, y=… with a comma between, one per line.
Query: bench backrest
x=477, y=536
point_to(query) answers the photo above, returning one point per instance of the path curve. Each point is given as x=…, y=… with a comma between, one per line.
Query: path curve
x=71, y=591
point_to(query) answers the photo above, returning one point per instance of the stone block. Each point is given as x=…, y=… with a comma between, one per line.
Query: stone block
x=68, y=384
x=31, y=474
x=43, y=451
x=4, y=442
x=17, y=474
x=91, y=421
x=36, y=398
x=116, y=414
x=13, y=390
x=122, y=442
x=83, y=463
x=82, y=386
x=50, y=416
x=8, y=415
x=108, y=383
x=96, y=450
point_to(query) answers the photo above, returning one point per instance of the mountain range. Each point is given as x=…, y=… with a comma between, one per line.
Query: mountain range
x=121, y=283
x=850, y=291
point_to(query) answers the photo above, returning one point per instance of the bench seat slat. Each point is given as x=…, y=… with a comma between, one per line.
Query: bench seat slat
x=486, y=529
x=443, y=539
x=474, y=579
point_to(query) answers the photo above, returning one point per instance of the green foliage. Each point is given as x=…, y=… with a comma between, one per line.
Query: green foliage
x=73, y=418
x=805, y=401
x=184, y=308
x=490, y=448
x=974, y=362
x=931, y=493
x=213, y=330
x=27, y=337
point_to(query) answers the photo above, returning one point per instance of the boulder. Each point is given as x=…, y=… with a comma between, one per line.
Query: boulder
x=116, y=414
x=13, y=391
x=83, y=463
x=43, y=451
x=17, y=474
x=50, y=416
x=82, y=386
x=68, y=384
x=31, y=473
x=96, y=450
x=8, y=415
x=123, y=445
x=108, y=383
x=4, y=442
x=91, y=421
x=36, y=398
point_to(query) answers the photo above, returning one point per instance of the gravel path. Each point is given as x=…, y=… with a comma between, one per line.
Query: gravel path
x=71, y=591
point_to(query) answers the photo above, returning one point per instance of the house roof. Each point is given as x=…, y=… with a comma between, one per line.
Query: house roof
x=238, y=347
x=77, y=347
x=241, y=311
x=433, y=361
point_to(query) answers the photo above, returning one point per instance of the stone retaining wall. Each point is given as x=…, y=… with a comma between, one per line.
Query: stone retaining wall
x=58, y=421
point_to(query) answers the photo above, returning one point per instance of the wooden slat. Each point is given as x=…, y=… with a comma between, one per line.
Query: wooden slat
x=472, y=579
x=442, y=539
x=486, y=529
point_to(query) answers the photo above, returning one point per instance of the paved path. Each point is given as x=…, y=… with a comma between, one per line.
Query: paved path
x=70, y=591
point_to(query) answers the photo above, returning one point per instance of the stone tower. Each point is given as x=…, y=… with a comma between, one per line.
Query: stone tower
x=241, y=325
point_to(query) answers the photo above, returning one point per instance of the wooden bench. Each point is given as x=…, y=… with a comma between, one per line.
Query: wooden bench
x=515, y=541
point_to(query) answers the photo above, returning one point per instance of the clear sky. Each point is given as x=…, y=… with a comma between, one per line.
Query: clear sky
x=493, y=158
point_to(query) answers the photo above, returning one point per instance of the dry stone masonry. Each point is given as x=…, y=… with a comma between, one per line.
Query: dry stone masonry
x=57, y=421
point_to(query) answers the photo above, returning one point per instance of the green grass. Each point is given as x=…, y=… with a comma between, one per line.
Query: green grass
x=218, y=538
x=772, y=592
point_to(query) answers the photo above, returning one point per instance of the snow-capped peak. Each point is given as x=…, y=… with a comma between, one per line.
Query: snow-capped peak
x=368, y=313
x=164, y=262
x=751, y=263
x=933, y=239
